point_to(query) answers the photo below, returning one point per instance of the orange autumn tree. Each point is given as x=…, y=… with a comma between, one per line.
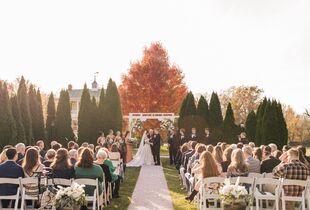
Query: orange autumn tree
x=152, y=84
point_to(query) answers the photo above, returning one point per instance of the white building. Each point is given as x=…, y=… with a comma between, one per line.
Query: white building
x=75, y=99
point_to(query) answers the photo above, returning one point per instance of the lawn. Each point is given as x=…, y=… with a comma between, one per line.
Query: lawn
x=126, y=190
x=177, y=194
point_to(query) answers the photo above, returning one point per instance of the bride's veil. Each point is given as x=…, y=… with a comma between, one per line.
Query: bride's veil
x=141, y=145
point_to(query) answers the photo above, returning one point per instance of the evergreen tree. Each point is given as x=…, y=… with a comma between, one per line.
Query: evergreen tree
x=50, y=120
x=23, y=101
x=40, y=128
x=283, y=131
x=63, y=118
x=101, y=110
x=36, y=114
x=112, y=111
x=7, y=123
x=94, y=112
x=20, y=131
x=216, y=117
x=250, y=126
x=203, y=109
x=85, y=117
x=182, y=111
x=190, y=108
x=259, y=116
x=229, y=126
x=270, y=131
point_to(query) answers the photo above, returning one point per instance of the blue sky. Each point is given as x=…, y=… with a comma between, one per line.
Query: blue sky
x=217, y=43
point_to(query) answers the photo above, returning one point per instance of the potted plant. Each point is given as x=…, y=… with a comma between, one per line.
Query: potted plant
x=70, y=198
x=233, y=196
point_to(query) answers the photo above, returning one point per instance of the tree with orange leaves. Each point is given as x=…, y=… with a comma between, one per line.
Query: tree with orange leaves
x=153, y=84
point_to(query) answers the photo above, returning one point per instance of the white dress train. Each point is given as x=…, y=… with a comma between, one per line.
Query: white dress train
x=144, y=155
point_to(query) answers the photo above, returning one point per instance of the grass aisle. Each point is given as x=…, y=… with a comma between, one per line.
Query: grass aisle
x=177, y=195
x=126, y=190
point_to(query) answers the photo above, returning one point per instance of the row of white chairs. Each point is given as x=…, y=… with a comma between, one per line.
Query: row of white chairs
x=257, y=186
x=21, y=194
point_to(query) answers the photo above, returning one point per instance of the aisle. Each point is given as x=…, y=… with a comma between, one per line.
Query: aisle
x=151, y=192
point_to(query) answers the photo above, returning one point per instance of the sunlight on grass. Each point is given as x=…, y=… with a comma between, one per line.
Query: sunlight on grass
x=126, y=190
x=177, y=194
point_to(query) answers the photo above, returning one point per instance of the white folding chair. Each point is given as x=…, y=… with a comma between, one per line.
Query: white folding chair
x=249, y=183
x=268, y=175
x=302, y=198
x=207, y=196
x=61, y=182
x=259, y=195
x=95, y=197
x=256, y=175
x=13, y=181
x=24, y=182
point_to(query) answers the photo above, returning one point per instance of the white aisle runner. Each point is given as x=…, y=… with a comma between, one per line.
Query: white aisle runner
x=151, y=192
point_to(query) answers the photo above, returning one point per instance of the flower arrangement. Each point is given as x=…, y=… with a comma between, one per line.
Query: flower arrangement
x=70, y=197
x=233, y=194
x=167, y=124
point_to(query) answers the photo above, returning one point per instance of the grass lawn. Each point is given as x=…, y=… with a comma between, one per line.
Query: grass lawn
x=177, y=195
x=126, y=190
x=164, y=151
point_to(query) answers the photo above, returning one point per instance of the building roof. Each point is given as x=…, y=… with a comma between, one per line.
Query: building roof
x=77, y=93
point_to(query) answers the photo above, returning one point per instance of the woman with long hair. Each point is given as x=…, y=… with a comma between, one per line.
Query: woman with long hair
x=62, y=167
x=226, y=159
x=31, y=166
x=85, y=168
x=238, y=166
x=218, y=154
x=207, y=167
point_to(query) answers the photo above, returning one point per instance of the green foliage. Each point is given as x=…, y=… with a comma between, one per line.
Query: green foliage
x=94, y=112
x=63, y=118
x=203, y=110
x=85, y=118
x=270, y=129
x=20, y=131
x=40, y=123
x=283, y=131
x=259, y=115
x=50, y=120
x=250, y=126
x=216, y=117
x=101, y=110
x=7, y=123
x=112, y=112
x=23, y=101
x=230, y=130
x=183, y=107
x=190, y=108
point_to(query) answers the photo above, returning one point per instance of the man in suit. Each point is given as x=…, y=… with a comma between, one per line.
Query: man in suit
x=10, y=169
x=193, y=136
x=21, y=149
x=156, y=147
x=270, y=162
x=181, y=137
x=173, y=147
x=207, y=139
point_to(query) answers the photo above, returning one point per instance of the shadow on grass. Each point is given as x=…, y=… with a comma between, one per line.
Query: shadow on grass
x=126, y=190
x=174, y=185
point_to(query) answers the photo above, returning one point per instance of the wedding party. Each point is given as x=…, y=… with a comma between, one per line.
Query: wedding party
x=154, y=105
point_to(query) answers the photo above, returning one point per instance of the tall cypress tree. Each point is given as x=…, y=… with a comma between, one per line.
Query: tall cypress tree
x=250, y=126
x=112, y=108
x=34, y=112
x=63, y=118
x=40, y=128
x=270, y=131
x=7, y=123
x=20, y=131
x=23, y=101
x=203, y=110
x=190, y=108
x=85, y=117
x=51, y=119
x=283, y=131
x=182, y=111
x=94, y=112
x=229, y=126
x=101, y=110
x=259, y=116
x=216, y=117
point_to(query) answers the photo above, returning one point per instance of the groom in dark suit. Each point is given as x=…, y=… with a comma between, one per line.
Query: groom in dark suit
x=156, y=147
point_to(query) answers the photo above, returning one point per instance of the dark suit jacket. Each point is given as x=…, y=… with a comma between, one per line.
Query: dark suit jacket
x=173, y=142
x=269, y=164
x=192, y=137
x=10, y=169
x=156, y=141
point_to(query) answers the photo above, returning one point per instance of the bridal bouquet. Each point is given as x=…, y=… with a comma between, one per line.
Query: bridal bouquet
x=70, y=197
x=147, y=141
x=233, y=195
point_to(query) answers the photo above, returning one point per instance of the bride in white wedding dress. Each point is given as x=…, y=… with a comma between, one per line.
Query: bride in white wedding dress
x=144, y=155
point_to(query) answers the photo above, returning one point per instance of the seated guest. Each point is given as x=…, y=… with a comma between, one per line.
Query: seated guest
x=207, y=167
x=278, y=154
x=86, y=169
x=9, y=169
x=49, y=157
x=56, y=146
x=258, y=153
x=252, y=144
x=302, y=156
x=269, y=162
x=238, y=166
x=286, y=148
x=180, y=156
x=62, y=167
x=274, y=148
x=114, y=154
x=210, y=148
x=218, y=154
x=31, y=166
x=21, y=150
x=40, y=144
x=292, y=169
x=3, y=156
x=200, y=148
x=189, y=154
x=71, y=145
x=253, y=164
x=226, y=159
x=73, y=155
x=101, y=157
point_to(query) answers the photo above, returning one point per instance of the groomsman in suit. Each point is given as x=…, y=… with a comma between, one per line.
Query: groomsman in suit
x=10, y=169
x=207, y=139
x=156, y=147
x=173, y=147
x=181, y=137
x=193, y=136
